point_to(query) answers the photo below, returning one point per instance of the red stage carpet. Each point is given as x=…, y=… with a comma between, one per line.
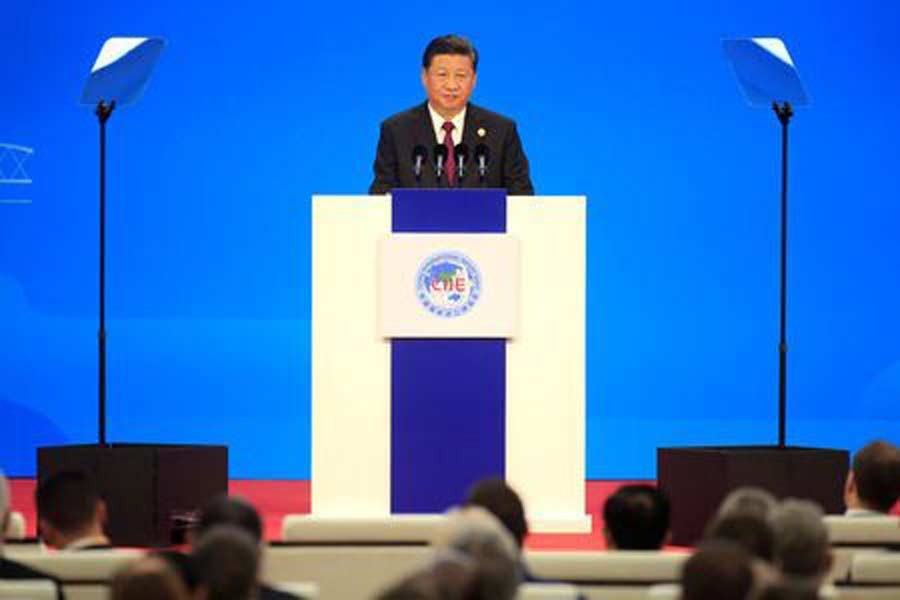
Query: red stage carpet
x=274, y=499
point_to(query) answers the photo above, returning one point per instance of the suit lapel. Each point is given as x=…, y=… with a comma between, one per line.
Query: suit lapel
x=424, y=136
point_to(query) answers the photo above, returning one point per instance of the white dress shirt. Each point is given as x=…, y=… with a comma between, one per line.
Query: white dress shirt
x=437, y=122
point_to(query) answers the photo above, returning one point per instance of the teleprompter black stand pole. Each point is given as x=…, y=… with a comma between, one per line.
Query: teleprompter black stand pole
x=103, y=113
x=149, y=488
x=784, y=112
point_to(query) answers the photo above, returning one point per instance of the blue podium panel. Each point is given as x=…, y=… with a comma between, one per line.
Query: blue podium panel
x=448, y=396
x=448, y=211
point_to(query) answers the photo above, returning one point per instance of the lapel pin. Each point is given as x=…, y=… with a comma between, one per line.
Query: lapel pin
x=481, y=132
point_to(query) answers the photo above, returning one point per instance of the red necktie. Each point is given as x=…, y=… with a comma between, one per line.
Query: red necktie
x=450, y=167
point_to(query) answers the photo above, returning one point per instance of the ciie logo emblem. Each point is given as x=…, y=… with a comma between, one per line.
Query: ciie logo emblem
x=448, y=284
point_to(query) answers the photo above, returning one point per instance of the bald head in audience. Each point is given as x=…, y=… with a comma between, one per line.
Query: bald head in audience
x=149, y=578
x=636, y=517
x=873, y=484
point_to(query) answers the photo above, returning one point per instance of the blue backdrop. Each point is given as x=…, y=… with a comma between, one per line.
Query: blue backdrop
x=252, y=109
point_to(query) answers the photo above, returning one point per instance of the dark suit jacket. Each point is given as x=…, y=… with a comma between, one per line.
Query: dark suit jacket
x=10, y=569
x=507, y=167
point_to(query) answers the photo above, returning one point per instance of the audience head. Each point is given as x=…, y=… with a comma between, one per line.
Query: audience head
x=748, y=500
x=475, y=535
x=445, y=580
x=801, y=549
x=874, y=479
x=69, y=508
x=230, y=510
x=636, y=518
x=149, y=578
x=750, y=532
x=717, y=571
x=503, y=502
x=226, y=560
x=182, y=565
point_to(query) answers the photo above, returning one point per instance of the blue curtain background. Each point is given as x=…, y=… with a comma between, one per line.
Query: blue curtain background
x=253, y=108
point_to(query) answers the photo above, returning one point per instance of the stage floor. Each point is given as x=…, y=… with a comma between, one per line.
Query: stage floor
x=276, y=498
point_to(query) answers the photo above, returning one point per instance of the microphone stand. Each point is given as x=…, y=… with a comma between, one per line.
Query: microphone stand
x=103, y=112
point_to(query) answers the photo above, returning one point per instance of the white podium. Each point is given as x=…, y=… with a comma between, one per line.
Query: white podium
x=545, y=358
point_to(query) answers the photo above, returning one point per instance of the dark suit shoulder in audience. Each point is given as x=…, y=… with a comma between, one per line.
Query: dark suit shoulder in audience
x=270, y=593
x=10, y=569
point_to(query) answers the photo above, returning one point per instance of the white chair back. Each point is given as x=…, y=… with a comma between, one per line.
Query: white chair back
x=27, y=589
x=393, y=529
x=547, y=591
x=863, y=531
x=302, y=589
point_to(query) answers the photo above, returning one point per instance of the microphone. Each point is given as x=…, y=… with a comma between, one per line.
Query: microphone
x=440, y=157
x=461, y=152
x=420, y=155
x=482, y=157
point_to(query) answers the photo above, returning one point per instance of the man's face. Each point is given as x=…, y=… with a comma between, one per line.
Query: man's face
x=449, y=82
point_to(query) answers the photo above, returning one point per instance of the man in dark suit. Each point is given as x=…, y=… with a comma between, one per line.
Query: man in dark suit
x=71, y=512
x=231, y=511
x=10, y=569
x=449, y=67
x=873, y=484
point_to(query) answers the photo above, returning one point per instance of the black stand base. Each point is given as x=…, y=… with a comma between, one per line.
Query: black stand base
x=150, y=490
x=698, y=479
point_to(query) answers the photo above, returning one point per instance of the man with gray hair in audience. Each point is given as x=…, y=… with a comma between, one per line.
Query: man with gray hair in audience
x=801, y=551
x=10, y=569
x=743, y=519
x=748, y=500
x=475, y=559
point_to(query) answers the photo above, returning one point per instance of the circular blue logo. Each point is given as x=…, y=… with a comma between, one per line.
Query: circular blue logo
x=448, y=284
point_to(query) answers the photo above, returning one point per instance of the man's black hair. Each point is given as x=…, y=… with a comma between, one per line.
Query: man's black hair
x=637, y=517
x=876, y=469
x=67, y=500
x=230, y=510
x=450, y=44
x=503, y=502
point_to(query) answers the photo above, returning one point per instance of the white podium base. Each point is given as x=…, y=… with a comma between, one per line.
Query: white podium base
x=393, y=529
x=560, y=524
